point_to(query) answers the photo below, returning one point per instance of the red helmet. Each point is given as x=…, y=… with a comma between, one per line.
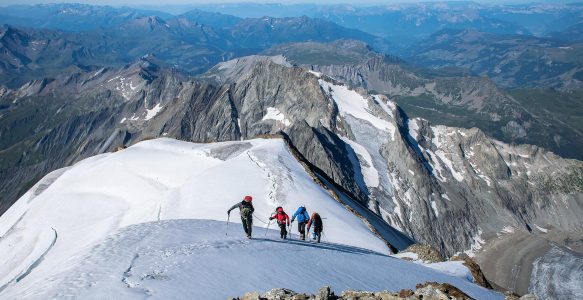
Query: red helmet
x=279, y=209
x=248, y=198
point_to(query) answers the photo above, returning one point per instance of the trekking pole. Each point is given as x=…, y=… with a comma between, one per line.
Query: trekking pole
x=228, y=217
x=324, y=236
x=266, y=228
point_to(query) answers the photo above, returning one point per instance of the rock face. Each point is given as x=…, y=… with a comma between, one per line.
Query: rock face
x=451, y=188
x=464, y=102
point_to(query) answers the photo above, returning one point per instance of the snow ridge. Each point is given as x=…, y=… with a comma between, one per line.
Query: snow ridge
x=173, y=258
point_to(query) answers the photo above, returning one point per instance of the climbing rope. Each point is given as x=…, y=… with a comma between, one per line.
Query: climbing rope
x=259, y=219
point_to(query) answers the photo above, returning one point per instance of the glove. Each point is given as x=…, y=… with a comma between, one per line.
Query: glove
x=270, y=218
x=292, y=221
x=228, y=212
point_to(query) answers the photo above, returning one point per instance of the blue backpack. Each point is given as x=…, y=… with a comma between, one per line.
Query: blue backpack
x=302, y=215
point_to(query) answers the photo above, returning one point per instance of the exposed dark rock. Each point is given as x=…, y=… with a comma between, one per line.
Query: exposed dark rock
x=479, y=277
x=426, y=291
x=425, y=253
x=434, y=290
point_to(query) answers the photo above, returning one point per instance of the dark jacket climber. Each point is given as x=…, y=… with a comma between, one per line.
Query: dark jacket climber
x=246, y=210
x=303, y=218
x=281, y=217
x=316, y=220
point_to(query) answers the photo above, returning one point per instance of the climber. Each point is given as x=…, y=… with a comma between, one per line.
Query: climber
x=303, y=218
x=318, y=226
x=281, y=217
x=246, y=210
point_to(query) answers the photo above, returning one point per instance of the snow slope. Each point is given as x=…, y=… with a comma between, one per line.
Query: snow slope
x=64, y=215
x=69, y=234
x=194, y=259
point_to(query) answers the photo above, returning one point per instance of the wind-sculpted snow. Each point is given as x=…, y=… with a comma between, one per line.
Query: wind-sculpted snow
x=158, y=180
x=195, y=259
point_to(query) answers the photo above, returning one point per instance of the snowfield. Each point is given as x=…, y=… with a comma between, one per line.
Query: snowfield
x=121, y=225
x=194, y=259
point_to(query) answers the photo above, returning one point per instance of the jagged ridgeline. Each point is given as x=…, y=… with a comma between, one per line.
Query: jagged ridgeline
x=449, y=187
x=544, y=116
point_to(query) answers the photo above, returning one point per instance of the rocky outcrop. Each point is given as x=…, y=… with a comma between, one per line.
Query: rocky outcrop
x=425, y=253
x=428, y=290
x=479, y=277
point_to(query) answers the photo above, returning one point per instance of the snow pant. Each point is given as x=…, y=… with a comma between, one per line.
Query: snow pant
x=282, y=231
x=247, y=224
x=317, y=234
x=302, y=230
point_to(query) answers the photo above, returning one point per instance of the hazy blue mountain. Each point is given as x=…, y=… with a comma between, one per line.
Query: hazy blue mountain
x=539, y=18
x=258, y=10
x=573, y=33
x=181, y=41
x=213, y=19
x=27, y=54
x=510, y=60
x=405, y=24
x=345, y=51
x=267, y=31
x=71, y=17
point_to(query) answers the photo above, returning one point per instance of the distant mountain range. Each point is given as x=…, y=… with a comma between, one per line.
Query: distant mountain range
x=31, y=53
x=573, y=33
x=405, y=24
x=71, y=17
x=430, y=35
x=509, y=60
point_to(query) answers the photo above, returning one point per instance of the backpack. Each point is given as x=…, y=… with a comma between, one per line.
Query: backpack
x=306, y=216
x=246, y=209
x=317, y=221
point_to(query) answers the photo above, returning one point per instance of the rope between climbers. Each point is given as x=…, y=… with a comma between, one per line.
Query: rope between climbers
x=260, y=219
